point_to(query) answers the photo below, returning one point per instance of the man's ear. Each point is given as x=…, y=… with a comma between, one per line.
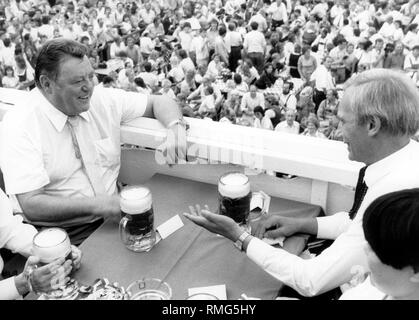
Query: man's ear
x=46, y=83
x=374, y=126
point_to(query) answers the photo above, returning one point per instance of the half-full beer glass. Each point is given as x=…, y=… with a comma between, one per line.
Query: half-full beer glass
x=136, y=227
x=234, y=197
x=51, y=244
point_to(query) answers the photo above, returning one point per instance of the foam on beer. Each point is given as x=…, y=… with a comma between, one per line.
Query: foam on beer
x=135, y=200
x=51, y=244
x=234, y=185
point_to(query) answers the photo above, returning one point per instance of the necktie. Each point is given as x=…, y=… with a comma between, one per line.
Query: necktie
x=360, y=191
x=86, y=152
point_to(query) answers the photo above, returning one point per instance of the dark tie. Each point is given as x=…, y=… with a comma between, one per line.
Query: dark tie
x=360, y=191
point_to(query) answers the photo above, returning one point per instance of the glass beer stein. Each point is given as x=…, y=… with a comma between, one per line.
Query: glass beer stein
x=234, y=198
x=51, y=244
x=136, y=227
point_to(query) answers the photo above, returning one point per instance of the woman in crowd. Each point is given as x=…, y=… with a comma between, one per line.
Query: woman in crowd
x=9, y=79
x=312, y=129
x=306, y=64
x=328, y=107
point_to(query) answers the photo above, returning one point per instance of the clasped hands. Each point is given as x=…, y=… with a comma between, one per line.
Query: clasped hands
x=53, y=275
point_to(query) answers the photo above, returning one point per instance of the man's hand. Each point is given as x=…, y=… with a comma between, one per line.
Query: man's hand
x=176, y=144
x=49, y=277
x=213, y=222
x=274, y=226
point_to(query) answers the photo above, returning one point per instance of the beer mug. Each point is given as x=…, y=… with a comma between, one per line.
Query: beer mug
x=234, y=197
x=136, y=227
x=51, y=244
x=149, y=289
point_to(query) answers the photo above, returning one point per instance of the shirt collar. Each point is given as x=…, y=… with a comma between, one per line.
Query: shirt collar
x=383, y=167
x=57, y=118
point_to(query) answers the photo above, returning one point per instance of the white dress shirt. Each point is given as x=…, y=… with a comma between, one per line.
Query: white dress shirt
x=323, y=78
x=37, y=149
x=283, y=126
x=337, y=264
x=249, y=103
x=15, y=236
x=254, y=41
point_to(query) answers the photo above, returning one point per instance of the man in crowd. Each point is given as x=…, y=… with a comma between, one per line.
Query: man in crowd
x=379, y=114
x=60, y=154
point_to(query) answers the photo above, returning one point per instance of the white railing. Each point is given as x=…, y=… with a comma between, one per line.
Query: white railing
x=325, y=175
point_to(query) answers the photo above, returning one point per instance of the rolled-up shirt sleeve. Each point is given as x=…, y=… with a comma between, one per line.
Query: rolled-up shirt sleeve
x=330, y=227
x=14, y=234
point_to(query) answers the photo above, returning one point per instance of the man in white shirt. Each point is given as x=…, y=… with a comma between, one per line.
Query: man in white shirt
x=254, y=46
x=259, y=18
x=289, y=125
x=379, y=114
x=278, y=13
x=60, y=153
x=287, y=99
x=147, y=14
x=323, y=80
x=252, y=99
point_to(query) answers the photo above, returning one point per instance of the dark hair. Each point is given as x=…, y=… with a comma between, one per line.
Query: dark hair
x=108, y=79
x=209, y=90
x=7, y=42
x=411, y=27
x=140, y=82
x=147, y=66
x=259, y=109
x=222, y=31
x=45, y=20
x=254, y=25
x=237, y=78
x=52, y=53
x=391, y=227
x=182, y=54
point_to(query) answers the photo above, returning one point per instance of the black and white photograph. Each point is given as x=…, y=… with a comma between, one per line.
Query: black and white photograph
x=228, y=151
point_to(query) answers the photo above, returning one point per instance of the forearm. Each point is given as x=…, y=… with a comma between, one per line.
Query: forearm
x=308, y=226
x=165, y=109
x=310, y=277
x=47, y=208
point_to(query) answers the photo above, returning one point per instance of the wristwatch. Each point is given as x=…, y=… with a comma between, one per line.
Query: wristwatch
x=239, y=243
x=179, y=121
x=27, y=273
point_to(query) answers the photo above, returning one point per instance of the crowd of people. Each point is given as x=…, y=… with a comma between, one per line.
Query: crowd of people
x=272, y=64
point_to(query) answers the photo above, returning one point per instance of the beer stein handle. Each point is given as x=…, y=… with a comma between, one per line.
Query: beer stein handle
x=122, y=229
x=254, y=216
